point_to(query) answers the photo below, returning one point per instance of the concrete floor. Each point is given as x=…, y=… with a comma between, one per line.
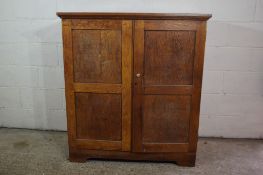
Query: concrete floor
x=31, y=152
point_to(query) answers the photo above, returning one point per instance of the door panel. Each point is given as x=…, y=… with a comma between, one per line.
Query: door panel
x=166, y=118
x=98, y=72
x=168, y=57
x=102, y=123
x=166, y=85
x=97, y=56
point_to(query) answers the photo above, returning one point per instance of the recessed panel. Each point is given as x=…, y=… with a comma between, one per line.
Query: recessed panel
x=97, y=56
x=98, y=116
x=169, y=57
x=166, y=118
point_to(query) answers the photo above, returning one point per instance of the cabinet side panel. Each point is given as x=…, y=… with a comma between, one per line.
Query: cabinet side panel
x=68, y=73
x=197, y=84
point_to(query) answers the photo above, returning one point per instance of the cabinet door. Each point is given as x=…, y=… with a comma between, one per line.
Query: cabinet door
x=168, y=63
x=97, y=58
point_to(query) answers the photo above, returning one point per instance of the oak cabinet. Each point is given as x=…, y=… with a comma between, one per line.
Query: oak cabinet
x=133, y=85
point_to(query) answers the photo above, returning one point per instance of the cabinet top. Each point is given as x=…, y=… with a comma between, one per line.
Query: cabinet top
x=133, y=16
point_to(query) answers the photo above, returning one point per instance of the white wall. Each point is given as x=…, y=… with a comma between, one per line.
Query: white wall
x=31, y=67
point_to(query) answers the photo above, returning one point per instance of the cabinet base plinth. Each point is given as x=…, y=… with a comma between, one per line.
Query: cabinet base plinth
x=80, y=158
x=181, y=159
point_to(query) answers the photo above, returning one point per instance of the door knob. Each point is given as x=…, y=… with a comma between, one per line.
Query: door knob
x=138, y=75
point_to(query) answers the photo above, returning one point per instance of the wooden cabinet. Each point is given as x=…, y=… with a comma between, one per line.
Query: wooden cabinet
x=133, y=85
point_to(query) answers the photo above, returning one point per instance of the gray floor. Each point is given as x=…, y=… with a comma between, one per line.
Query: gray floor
x=45, y=152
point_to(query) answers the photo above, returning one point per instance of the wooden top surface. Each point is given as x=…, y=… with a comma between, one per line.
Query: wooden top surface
x=99, y=15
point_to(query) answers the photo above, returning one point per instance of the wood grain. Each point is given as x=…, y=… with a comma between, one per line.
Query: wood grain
x=68, y=73
x=197, y=85
x=162, y=94
x=167, y=148
x=184, y=89
x=96, y=24
x=95, y=119
x=169, y=57
x=98, y=88
x=133, y=85
x=165, y=119
x=102, y=61
x=134, y=16
x=167, y=64
x=97, y=56
x=137, y=85
x=126, y=84
x=170, y=25
x=180, y=158
x=102, y=145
